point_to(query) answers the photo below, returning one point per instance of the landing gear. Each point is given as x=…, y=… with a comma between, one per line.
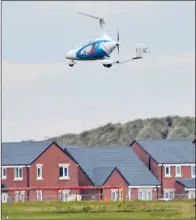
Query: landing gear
x=71, y=63
x=107, y=65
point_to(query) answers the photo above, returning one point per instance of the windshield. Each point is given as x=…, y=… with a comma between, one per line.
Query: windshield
x=82, y=44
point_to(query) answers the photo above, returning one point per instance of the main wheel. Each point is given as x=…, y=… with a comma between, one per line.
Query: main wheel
x=71, y=65
x=107, y=65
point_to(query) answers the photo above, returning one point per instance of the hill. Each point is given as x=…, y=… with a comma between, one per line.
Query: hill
x=123, y=134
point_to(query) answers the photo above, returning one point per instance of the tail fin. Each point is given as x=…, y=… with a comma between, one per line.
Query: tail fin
x=140, y=49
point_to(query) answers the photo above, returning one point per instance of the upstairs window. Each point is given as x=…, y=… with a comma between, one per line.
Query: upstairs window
x=3, y=173
x=18, y=174
x=193, y=171
x=39, y=171
x=178, y=171
x=64, y=171
x=167, y=171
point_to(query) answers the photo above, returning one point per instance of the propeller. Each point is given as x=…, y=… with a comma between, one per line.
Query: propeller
x=117, y=42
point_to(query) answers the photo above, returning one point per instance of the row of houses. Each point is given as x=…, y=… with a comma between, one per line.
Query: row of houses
x=144, y=170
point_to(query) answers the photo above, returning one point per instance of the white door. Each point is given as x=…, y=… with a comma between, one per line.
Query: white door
x=129, y=194
x=39, y=195
x=4, y=197
x=114, y=195
x=191, y=194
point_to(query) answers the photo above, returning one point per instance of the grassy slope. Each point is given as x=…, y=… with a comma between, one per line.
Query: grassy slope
x=123, y=134
x=93, y=210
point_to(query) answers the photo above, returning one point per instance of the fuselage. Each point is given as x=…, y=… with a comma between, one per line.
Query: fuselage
x=98, y=49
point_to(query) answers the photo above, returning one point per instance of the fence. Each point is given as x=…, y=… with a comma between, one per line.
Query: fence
x=86, y=195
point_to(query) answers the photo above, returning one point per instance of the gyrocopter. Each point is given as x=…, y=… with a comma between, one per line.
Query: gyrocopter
x=101, y=49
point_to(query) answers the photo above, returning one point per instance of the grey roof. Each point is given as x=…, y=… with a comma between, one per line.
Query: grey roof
x=170, y=150
x=188, y=183
x=22, y=153
x=99, y=162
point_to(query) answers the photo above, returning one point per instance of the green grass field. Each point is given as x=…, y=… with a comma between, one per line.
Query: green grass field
x=100, y=210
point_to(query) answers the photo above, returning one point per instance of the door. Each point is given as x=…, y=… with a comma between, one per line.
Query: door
x=191, y=194
x=129, y=194
x=114, y=195
x=39, y=195
x=4, y=197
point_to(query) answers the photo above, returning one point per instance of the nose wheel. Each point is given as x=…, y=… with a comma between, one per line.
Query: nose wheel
x=72, y=63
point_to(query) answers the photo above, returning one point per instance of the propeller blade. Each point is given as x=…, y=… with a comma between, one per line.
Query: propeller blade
x=118, y=37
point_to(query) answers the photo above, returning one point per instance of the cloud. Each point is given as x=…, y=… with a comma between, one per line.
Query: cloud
x=51, y=99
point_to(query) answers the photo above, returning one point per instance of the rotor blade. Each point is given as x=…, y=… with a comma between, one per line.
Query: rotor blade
x=92, y=16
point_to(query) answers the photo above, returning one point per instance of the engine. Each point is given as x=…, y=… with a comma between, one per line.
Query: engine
x=107, y=63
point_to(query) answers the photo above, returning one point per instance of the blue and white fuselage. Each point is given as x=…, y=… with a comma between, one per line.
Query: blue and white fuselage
x=94, y=50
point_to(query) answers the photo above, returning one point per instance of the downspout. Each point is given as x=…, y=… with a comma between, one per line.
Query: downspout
x=162, y=179
x=149, y=163
x=78, y=182
x=157, y=192
x=28, y=181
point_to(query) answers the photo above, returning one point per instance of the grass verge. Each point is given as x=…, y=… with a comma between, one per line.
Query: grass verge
x=100, y=210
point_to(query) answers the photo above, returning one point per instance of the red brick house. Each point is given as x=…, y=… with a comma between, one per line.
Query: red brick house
x=169, y=160
x=117, y=166
x=46, y=164
x=36, y=164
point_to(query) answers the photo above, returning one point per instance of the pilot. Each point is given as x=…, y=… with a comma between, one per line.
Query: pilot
x=92, y=49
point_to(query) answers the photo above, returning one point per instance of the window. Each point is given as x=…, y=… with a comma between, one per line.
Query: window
x=145, y=195
x=39, y=171
x=39, y=195
x=64, y=171
x=18, y=173
x=193, y=171
x=167, y=171
x=169, y=195
x=20, y=196
x=3, y=173
x=64, y=195
x=4, y=197
x=178, y=171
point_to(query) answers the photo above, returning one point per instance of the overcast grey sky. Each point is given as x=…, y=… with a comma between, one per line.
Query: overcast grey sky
x=44, y=97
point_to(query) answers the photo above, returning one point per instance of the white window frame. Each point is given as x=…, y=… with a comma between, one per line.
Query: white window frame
x=64, y=166
x=64, y=195
x=15, y=176
x=4, y=197
x=141, y=194
x=39, y=167
x=168, y=175
x=3, y=177
x=178, y=174
x=39, y=195
x=169, y=194
x=20, y=196
x=116, y=194
x=192, y=173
